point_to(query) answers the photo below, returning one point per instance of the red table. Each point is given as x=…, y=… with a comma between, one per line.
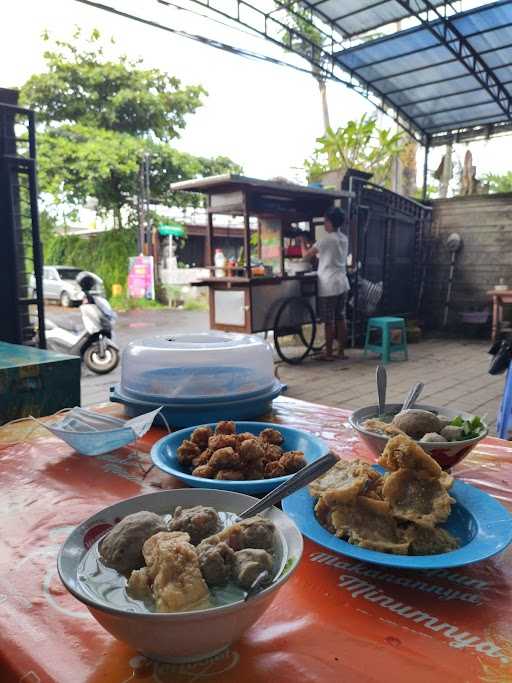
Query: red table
x=336, y=620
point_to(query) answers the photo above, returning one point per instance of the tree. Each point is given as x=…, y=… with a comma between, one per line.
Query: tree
x=498, y=182
x=303, y=37
x=98, y=117
x=358, y=144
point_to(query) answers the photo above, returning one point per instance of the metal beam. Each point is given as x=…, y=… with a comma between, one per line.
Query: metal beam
x=321, y=59
x=454, y=41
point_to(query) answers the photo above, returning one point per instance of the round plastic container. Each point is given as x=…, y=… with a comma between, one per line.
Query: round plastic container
x=214, y=366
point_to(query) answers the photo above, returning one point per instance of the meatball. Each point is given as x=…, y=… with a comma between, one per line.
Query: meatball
x=274, y=469
x=225, y=458
x=222, y=441
x=121, y=548
x=245, y=436
x=225, y=427
x=293, y=461
x=257, y=532
x=251, y=450
x=204, y=471
x=202, y=459
x=249, y=564
x=272, y=436
x=198, y=522
x=216, y=562
x=187, y=452
x=230, y=475
x=200, y=436
x=272, y=452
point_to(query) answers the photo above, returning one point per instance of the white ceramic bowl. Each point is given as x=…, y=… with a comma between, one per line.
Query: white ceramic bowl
x=447, y=454
x=176, y=636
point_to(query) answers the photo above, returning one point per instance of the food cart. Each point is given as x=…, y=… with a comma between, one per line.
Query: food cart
x=269, y=286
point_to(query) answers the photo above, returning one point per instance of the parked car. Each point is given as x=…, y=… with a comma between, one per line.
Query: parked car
x=59, y=284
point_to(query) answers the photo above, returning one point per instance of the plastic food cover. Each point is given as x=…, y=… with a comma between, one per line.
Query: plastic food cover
x=192, y=367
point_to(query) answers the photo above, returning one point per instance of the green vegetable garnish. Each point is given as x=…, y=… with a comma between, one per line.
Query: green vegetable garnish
x=471, y=429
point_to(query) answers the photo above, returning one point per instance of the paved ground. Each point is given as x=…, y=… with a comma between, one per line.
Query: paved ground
x=454, y=371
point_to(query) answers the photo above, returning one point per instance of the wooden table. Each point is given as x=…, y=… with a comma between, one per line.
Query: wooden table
x=336, y=621
x=499, y=299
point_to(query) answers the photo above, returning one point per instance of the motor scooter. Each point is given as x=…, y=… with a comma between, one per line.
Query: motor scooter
x=93, y=343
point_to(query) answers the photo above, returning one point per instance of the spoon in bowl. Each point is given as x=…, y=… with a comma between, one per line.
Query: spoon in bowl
x=412, y=396
x=303, y=477
x=382, y=380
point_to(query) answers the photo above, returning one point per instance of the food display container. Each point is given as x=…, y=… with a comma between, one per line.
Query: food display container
x=198, y=377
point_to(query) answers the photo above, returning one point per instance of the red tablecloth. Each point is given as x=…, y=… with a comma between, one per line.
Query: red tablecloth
x=335, y=620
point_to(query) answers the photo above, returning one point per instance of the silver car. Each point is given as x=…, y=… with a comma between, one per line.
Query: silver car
x=59, y=284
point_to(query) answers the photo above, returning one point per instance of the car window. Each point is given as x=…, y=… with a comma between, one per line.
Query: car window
x=68, y=273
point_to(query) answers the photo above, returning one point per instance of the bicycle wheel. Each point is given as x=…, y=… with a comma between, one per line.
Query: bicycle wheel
x=294, y=330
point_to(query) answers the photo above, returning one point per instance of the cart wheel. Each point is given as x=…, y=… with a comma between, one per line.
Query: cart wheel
x=294, y=329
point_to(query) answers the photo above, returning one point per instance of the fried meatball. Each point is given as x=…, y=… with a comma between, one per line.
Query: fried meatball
x=200, y=436
x=225, y=458
x=225, y=427
x=230, y=475
x=293, y=461
x=198, y=522
x=274, y=469
x=249, y=564
x=121, y=548
x=251, y=451
x=272, y=436
x=204, y=471
x=216, y=563
x=272, y=452
x=187, y=452
x=222, y=441
x=202, y=459
x=245, y=436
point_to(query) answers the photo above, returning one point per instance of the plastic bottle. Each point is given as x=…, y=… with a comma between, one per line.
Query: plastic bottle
x=220, y=263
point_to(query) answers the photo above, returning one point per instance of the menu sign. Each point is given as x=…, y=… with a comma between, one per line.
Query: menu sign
x=270, y=243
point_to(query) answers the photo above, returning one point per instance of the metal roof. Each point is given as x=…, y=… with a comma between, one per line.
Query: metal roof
x=439, y=80
x=352, y=17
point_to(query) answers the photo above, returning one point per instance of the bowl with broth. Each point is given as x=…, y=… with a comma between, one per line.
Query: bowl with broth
x=162, y=626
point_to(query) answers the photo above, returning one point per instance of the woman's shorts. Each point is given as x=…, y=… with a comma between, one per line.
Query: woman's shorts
x=332, y=308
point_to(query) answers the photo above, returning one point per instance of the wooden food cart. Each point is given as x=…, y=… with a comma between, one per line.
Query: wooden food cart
x=269, y=287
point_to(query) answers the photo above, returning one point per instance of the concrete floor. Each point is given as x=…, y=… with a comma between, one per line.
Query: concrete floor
x=455, y=374
x=454, y=371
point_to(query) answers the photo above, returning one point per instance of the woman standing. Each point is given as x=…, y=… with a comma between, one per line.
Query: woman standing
x=333, y=285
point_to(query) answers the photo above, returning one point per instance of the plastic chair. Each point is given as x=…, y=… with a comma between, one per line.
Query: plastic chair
x=386, y=324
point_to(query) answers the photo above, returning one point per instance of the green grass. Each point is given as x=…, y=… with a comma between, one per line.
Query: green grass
x=124, y=303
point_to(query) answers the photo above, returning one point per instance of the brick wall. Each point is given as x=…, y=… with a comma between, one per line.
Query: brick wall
x=485, y=224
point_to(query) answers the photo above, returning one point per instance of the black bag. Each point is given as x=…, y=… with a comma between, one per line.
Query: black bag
x=501, y=351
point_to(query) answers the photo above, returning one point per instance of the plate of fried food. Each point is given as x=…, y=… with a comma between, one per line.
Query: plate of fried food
x=405, y=512
x=248, y=457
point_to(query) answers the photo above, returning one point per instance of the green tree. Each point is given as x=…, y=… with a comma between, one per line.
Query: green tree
x=498, y=182
x=359, y=144
x=303, y=37
x=98, y=117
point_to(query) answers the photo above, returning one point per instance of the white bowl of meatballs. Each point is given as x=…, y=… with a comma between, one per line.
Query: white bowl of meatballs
x=173, y=573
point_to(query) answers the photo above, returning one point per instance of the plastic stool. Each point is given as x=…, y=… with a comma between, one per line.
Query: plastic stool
x=386, y=348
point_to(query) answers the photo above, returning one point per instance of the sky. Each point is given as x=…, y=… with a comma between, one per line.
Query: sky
x=263, y=116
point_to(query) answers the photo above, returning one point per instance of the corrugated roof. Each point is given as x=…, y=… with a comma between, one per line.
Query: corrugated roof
x=423, y=80
x=352, y=17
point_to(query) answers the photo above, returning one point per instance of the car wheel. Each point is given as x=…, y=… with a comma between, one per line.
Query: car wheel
x=65, y=300
x=99, y=365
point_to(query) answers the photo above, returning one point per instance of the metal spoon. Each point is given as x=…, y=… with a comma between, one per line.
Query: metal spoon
x=382, y=380
x=303, y=477
x=412, y=396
